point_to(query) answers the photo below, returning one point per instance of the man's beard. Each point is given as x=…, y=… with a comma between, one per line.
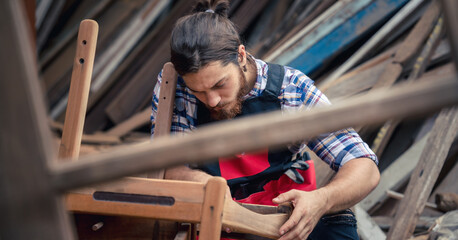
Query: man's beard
x=236, y=108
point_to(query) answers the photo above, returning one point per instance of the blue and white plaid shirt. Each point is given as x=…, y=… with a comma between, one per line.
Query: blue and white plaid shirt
x=298, y=93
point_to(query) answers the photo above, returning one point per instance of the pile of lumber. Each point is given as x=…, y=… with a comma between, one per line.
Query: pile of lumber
x=347, y=47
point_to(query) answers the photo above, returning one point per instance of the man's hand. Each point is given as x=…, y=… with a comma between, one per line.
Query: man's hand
x=308, y=209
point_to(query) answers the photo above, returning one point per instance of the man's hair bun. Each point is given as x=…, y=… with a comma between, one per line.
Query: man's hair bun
x=220, y=7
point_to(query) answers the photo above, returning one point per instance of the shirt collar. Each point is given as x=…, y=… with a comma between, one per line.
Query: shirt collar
x=261, y=79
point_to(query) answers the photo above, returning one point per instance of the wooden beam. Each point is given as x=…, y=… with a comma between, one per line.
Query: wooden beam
x=212, y=209
x=425, y=174
x=79, y=90
x=29, y=205
x=420, y=64
x=270, y=129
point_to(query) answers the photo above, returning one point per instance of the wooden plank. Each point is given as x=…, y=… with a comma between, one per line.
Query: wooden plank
x=257, y=132
x=374, y=41
x=399, y=196
x=186, y=198
x=90, y=12
x=315, y=51
x=130, y=124
x=125, y=42
x=332, y=15
x=140, y=65
x=394, y=176
x=409, y=47
x=239, y=219
x=30, y=209
x=421, y=62
x=425, y=174
x=166, y=100
x=212, y=209
x=56, y=76
x=79, y=91
x=325, y=9
x=367, y=228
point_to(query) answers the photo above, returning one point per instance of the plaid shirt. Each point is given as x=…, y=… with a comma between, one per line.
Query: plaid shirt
x=298, y=93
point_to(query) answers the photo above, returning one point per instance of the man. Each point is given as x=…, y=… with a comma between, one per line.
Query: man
x=220, y=81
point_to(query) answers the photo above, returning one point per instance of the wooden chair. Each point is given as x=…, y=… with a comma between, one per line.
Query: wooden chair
x=138, y=200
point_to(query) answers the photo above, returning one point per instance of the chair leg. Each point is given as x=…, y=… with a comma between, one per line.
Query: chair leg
x=212, y=209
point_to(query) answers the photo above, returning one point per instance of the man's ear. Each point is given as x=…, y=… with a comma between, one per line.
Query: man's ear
x=242, y=55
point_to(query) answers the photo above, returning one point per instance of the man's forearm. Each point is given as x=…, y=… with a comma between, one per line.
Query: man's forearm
x=186, y=174
x=354, y=181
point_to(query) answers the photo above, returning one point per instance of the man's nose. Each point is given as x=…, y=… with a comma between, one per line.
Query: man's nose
x=213, y=98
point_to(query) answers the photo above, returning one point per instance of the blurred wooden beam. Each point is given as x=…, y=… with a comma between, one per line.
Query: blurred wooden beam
x=29, y=205
x=258, y=131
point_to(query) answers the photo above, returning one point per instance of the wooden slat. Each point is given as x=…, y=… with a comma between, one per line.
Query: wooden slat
x=212, y=209
x=133, y=95
x=367, y=228
x=187, y=206
x=79, y=90
x=421, y=62
x=239, y=219
x=131, y=124
x=395, y=175
x=28, y=204
x=258, y=131
x=409, y=47
x=425, y=174
x=165, y=107
x=375, y=40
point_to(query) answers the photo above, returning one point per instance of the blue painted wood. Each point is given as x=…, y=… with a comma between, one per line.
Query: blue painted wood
x=343, y=36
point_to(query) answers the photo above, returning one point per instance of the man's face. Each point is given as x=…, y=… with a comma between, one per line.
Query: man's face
x=219, y=87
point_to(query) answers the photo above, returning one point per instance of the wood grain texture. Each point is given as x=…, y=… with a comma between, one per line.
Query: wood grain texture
x=239, y=219
x=212, y=209
x=271, y=129
x=187, y=206
x=425, y=174
x=29, y=205
x=79, y=90
x=165, y=107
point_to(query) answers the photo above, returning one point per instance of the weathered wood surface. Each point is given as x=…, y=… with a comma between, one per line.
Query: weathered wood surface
x=425, y=174
x=395, y=175
x=79, y=90
x=28, y=203
x=367, y=228
x=375, y=40
x=256, y=132
x=400, y=196
x=409, y=47
x=420, y=64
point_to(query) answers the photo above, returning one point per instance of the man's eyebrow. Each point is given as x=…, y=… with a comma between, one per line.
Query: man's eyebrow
x=211, y=87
